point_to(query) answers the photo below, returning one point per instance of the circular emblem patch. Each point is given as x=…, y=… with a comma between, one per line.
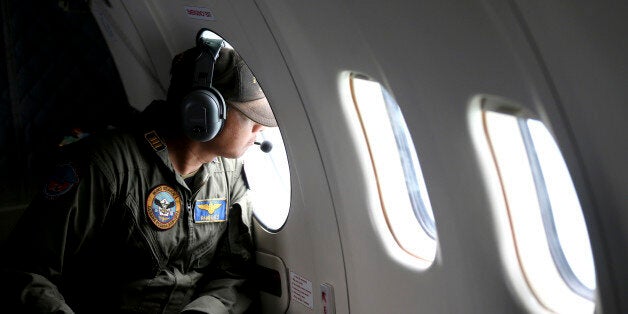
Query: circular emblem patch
x=61, y=181
x=163, y=206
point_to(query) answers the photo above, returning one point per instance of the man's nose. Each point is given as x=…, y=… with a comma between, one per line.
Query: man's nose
x=258, y=128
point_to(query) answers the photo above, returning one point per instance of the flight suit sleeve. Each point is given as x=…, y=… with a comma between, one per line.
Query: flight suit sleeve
x=58, y=222
x=239, y=194
x=228, y=286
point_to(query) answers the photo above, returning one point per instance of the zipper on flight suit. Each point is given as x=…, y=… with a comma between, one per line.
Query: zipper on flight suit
x=152, y=246
x=130, y=205
x=187, y=264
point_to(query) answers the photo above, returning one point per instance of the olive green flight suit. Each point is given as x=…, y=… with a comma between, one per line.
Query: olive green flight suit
x=93, y=241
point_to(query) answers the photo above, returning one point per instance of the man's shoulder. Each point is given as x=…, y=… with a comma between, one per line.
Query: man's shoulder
x=107, y=141
x=104, y=146
x=232, y=164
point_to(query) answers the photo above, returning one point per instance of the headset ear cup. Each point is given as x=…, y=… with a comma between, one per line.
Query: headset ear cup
x=203, y=113
x=203, y=110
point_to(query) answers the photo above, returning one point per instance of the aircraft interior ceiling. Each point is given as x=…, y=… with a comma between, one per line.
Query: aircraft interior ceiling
x=92, y=65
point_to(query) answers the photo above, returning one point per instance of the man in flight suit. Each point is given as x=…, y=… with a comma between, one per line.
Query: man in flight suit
x=146, y=220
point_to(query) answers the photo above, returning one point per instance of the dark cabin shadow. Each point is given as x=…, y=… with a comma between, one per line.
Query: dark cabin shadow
x=57, y=76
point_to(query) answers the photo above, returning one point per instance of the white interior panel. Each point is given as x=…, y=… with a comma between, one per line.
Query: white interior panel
x=434, y=57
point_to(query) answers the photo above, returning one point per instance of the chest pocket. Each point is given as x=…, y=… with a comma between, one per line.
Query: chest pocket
x=166, y=247
x=138, y=242
x=210, y=216
x=208, y=237
x=234, y=246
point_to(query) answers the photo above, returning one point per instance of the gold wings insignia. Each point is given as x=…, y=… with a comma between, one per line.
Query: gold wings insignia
x=211, y=208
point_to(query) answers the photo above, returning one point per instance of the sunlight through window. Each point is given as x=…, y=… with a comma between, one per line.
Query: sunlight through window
x=548, y=226
x=398, y=173
x=268, y=174
x=269, y=178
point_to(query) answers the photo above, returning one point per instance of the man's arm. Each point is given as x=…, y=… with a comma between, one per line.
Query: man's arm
x=54, y=227
x=227, y=287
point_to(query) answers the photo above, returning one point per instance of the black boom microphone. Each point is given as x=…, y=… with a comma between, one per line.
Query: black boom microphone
x=265, y=146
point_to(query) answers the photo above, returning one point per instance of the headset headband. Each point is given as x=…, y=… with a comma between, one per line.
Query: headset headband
x=204, y=67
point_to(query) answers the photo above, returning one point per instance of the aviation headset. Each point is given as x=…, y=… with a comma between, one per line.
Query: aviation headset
x=203, y=109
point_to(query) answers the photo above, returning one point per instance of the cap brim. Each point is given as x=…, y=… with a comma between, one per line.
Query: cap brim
x=257, y=110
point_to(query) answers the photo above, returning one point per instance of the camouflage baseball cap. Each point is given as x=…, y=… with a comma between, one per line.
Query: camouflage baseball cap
x=232, y=78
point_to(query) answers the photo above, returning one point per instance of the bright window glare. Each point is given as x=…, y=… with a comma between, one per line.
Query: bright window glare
x=269, y=178
x=396, y=167
x=411, y=168
x=568, y=218
x=536, y=246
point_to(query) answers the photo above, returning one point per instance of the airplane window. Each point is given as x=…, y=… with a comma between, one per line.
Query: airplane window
x=545, y=215
x=269, y=178
x=402, y=188
x=573, y=251
x=267, y=173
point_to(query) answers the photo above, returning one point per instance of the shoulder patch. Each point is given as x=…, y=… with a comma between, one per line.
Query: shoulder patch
x=61, y=181
x=163, y=206
x=154, y=141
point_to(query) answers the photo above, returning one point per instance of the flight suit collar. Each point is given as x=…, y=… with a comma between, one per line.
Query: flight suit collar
x=160, y=149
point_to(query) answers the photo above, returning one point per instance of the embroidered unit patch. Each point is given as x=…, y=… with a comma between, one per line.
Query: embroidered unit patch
x=61, y=181
x=211, y=210
x=163, y=206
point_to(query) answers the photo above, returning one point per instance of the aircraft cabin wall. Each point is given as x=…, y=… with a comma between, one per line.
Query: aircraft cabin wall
x=434, y=58
x=444, y=63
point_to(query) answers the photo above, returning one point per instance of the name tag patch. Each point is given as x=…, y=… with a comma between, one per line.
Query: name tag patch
x=211, y=210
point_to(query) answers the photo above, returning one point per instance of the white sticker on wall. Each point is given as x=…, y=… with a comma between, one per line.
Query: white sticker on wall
x=301, y=290
x=199, y=13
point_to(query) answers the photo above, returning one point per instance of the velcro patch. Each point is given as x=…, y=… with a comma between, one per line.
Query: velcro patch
x=61, y=181
x=163, y=206
x=211, y=210
x=155, y=141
